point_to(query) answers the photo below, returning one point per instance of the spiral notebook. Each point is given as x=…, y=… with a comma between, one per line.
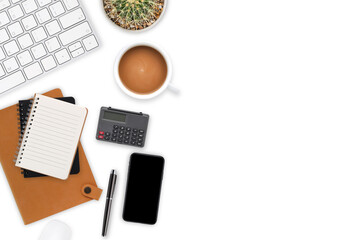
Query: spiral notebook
x=51, y=137
x=23, y=111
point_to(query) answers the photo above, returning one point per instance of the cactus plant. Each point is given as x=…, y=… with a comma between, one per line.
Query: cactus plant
x=134, y=14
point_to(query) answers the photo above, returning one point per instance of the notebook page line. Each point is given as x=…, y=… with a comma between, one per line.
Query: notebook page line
x=58, y=110
x=52, y=118
x=53, y=139
x=40, y=111
x=51, y=143
x=38, y=130
x=62, y=163
x=41, y=149
x=53, y=126
x=45, y=147
x=38, y=124
x=48, y=155
x=34, y=160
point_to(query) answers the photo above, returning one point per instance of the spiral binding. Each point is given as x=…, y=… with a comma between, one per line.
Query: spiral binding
x=25, y=115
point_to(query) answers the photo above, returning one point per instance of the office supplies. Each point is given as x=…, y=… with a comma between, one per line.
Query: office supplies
x=122, y=127
x=109, y=198
x=56, y=230
x=135, y=15
x=38, y=36
x=135, y=82
x=38, y=198
x=24, y=109
x=51, y=137
x=143, y=188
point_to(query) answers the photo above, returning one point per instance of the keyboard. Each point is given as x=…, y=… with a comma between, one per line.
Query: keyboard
x=38, y=36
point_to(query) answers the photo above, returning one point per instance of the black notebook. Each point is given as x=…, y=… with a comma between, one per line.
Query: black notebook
x=24, y=108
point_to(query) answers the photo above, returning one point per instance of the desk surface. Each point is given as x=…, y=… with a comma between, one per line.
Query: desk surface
x=263, y=141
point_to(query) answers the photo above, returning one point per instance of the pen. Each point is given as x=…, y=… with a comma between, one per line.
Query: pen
x=109, y=197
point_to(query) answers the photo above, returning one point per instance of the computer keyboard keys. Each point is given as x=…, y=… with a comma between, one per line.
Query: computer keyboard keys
x=15, y=29
x=4, y=4
x=33, y=71
x=62, y=56
x=24, y=58
x=74, y=46
x=48, y=63
x=2, y=72
x=57, y=9
x=90, y=43
x=43, y=2
x=77, y=52
x=2, y=54
x=11, y=65
x=53, y=27
x=43, y=15
x=29, y=6
x=72, y=18
x=15, y=12
x=25, y=41
x=70, y=4
x=52, y=44
x=39, y=34
x=75, y=33
x=38, y=51
x=11, y=81
x=11, y=48
x=3, y=36
x=29, y=22
x=4, y=19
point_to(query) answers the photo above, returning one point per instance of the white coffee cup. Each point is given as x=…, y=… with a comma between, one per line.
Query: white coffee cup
x=166, y=84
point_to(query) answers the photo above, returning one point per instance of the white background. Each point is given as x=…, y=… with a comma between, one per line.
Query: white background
x=263, y=141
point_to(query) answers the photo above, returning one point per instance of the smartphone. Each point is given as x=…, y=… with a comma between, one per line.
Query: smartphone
x=143, y=188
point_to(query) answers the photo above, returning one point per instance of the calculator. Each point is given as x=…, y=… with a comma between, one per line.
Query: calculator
x=122, y=127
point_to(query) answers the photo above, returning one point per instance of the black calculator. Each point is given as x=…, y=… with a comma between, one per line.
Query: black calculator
x=122, y=127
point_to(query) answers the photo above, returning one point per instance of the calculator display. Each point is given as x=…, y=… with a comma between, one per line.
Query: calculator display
x=114, y=116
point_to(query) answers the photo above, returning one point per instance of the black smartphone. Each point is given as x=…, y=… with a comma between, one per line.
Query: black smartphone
x=143, y=188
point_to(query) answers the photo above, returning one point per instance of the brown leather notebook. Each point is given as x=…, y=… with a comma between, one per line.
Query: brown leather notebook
x=38, y=198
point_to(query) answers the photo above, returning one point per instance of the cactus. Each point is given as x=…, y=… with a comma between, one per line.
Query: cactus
x=136, y=14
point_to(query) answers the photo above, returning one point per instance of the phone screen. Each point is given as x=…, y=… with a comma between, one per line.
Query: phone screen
x=143, y=188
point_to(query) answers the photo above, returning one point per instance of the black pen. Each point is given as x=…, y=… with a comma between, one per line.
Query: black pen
x=109, y=197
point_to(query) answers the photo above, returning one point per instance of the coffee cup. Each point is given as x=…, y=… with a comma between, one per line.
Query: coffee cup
x=143, y=70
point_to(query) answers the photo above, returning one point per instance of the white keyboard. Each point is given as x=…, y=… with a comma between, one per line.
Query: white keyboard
x=37, y=36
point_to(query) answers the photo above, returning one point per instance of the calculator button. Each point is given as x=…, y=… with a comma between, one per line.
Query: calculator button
x=140, y=139
x=120, y=140
x=140, y=135
x=107, y=134
x=101, y=133
x=101, y=137
x=114, y=135
x=135, y=130
x=113, y=139
x=122, y=128
x=116, y=126
x=120, y=136
x=139, y=144
x=121, y=132
x=127, y=137
x=134, y=134
x=115, y=131
x=126, y=141
x=133, y=143
x=128, y=129
x=127, y=133
x=107, y=138
x=141, y=131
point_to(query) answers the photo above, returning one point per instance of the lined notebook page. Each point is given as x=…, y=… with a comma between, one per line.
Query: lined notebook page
x=51, y=137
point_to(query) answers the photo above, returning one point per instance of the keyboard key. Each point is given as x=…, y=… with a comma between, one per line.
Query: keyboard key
x=90, y=43
x=53, y=27
x=75, y=33
x=77, y=52
x=57, y=9
x=3, y=36
x=4, y=4
x=52, y=44
x=33, y=70
x=11, y=81
x=24, y=58
x=15, y=1
x=2, y=72
x=39, y=34
x=43, y=16
x=29, y=6
x=43, y=2
x=70, y=4
x=38, y=51
x=15, y=12
x=4, y=19
x=48, y=63
x=62, y=56
x=2, y=54
x=11, y=48
x=74, y=46
x=72, y=18
x=29, y=22
x=15, y=29
x=11, y=65
x=25, y=41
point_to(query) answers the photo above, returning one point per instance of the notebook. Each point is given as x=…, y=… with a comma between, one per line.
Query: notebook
x=38, y=198
x=51, y=137
x=24, y=109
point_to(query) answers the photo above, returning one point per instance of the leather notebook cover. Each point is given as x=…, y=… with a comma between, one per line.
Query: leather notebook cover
x=38, y=198
x=24, y=109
